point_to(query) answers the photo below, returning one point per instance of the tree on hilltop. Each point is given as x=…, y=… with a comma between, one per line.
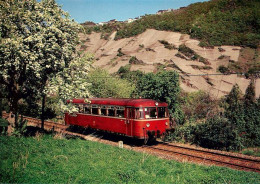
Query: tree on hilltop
x=37, y=40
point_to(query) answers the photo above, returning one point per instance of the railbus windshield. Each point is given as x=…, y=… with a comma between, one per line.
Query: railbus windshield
x=151, y=113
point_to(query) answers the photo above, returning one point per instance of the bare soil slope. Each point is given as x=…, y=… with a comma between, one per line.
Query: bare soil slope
x=151, y=54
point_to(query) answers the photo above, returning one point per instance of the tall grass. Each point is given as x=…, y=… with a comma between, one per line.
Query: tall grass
x=45, y=159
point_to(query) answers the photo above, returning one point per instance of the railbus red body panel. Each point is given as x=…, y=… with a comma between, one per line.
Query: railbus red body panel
x=140, y=118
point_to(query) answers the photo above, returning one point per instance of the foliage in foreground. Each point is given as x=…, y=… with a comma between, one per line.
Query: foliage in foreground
x=37, y=41
x=51, y=160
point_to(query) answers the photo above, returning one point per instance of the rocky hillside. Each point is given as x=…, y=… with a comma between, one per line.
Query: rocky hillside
x=153, y=50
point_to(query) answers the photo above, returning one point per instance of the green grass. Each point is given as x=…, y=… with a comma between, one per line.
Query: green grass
x=251, y=151
x=48, y=160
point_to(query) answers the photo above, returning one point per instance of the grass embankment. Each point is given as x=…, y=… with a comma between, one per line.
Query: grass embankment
x=48, y=160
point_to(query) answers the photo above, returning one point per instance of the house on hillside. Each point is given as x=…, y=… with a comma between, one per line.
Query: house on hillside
x=112, y=21
x=102, y=23
x=164, y=11
x=89, y=24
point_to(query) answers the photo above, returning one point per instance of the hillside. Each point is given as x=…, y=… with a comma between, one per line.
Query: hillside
x=214, y=23
x=156, y=49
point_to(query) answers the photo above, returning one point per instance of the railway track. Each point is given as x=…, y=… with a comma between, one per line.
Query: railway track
x=205, y=156
x=170, y=151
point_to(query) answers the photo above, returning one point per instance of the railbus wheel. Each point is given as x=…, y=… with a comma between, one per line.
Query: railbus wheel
x=149, y=140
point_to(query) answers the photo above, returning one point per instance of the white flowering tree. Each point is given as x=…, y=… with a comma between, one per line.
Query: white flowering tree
x=37, y=40
x=71, y=83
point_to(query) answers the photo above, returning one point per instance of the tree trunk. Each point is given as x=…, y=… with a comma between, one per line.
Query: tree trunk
x=43, y=106
x=1, y=107
x=14, y=110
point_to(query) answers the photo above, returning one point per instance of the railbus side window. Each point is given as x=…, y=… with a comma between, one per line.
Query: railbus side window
x=120, y=112
x=87, y=109
x=81, y=109
x=139, y=113
x=103, y=110
x=111, y=110
x=95, y=109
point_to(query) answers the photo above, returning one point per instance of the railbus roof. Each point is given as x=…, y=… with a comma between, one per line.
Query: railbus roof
x=120, y=102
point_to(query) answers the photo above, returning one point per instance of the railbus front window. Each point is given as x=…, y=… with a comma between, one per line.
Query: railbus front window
x=162, y=112
x=150, y=113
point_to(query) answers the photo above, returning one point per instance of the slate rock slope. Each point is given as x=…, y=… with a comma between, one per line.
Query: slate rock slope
x=150, y=49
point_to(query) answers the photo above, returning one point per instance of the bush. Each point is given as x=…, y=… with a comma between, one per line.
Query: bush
x=198, y=105
x=185, y=133
x=3, y=126
x=218, y=133
x=221, y=57
x=167, y=45
x=131, y=76
x=223, y=69
x=186, y=51
x=120, y=53
x=134, y=60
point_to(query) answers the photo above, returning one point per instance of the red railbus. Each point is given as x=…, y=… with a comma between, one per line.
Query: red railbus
x=139, y=118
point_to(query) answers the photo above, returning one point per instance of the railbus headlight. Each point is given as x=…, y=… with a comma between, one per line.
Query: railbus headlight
x=147, y=125
x=166, y=123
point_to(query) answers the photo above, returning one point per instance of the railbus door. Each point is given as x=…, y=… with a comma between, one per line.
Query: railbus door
x=129, y=121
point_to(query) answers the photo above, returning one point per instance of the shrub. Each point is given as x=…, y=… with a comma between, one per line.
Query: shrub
x=132, y=76
x=221, y=57
x=180, y=56
x=134, y=60
x=149, y=49
x=185, y=133
x=141, y=45
x=3, y=126
x=223, y=69
x=120, y=53
x=218, y=133
x=221, y=49
x=198, y=105
x=203, y=60
x=186, y=51
x=167, y=44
